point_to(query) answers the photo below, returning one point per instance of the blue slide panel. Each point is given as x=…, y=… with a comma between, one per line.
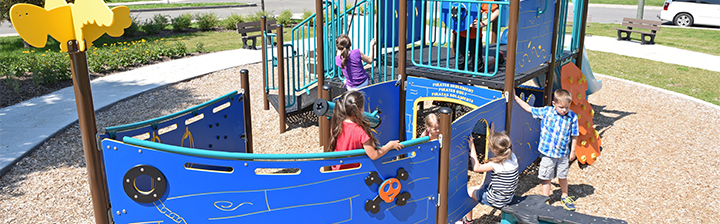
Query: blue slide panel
x=534, y=34
x=216, y=190
x=421, y=89
x=459, y=203
x=385, y=97
x=217, y=125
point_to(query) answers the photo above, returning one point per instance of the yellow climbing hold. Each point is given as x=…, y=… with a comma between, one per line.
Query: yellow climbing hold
x=570, y=79
x=583, y=159
x=588, y=124
x=592, y=113
x=593, y=156
x=583, y=106
x=597, y=135
x=583, y=143
x=579, y=116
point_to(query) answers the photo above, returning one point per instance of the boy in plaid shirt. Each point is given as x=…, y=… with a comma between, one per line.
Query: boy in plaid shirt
x=558, y=137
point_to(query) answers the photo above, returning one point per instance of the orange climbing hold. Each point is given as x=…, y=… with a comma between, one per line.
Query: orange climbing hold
x=588, y=143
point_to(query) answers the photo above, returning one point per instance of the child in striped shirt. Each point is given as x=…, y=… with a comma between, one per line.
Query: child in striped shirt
x=504, y=173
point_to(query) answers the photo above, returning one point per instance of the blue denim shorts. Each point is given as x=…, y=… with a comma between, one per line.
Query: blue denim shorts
x=482, y=195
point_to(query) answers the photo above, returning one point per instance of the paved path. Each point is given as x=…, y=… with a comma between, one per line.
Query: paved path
x=25, y=126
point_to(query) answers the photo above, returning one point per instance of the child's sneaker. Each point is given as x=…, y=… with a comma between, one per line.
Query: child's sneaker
x=568, y=203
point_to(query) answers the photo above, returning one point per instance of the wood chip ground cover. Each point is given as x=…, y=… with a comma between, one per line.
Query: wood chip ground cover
x=659, y=162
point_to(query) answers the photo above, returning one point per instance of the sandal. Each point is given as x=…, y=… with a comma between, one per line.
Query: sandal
x=464, y=220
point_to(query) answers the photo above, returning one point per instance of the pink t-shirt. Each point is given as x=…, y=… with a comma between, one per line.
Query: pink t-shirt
x=352, y=137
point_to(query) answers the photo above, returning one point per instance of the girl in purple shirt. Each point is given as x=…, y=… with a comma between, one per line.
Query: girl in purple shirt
x=351, y=62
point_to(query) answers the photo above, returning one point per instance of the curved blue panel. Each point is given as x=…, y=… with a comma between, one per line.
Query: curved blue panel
x=386, y=98
x=430, y=89
x=534, y=34
x=217, y=125
x=242, y=191
x=459, y=202
x=525, y=134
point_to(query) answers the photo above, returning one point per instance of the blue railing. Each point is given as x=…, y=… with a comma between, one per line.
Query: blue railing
x=440, y=21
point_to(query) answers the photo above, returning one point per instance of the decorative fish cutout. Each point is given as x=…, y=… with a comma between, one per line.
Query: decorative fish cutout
x=84, y=21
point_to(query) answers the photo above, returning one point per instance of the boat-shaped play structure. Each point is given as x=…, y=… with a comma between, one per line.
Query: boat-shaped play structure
x=198, y=165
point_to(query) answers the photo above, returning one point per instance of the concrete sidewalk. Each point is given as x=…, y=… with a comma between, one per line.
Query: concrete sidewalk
x=25, y=126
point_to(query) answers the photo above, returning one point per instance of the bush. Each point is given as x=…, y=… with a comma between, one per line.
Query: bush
x=258, y=15
x=199, y=47
x=155, y=25
x=230, y=21
x=284, y=17
x=181, y=22
x=307, y=14
x=133, y=29
x=51, y=66
x=206, y=21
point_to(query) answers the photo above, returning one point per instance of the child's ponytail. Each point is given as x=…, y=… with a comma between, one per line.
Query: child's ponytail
x=349, y=106
x=501, y=145
x=343, y=45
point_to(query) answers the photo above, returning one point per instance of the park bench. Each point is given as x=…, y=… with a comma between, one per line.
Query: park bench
x=631, y=23
x=249, y=27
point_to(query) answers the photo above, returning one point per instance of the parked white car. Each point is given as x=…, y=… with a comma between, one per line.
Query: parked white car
x=689, y=12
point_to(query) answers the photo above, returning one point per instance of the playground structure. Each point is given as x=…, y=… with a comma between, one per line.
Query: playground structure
x=198, y=165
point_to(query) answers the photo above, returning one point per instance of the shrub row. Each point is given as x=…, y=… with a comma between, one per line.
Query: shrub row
x=51, y=66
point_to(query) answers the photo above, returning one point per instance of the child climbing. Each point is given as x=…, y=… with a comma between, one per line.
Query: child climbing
x=351, y=62
x=350, y=130
x=504, y=176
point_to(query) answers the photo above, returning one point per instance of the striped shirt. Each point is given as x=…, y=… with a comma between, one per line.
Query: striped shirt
x=555, y=131
x=503, y=182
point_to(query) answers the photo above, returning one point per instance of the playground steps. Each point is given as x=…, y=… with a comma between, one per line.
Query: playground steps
x=532, y=209
x=429, y=55
x=302, y=103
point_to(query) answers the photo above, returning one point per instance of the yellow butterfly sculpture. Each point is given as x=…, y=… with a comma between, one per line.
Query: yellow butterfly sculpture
x=84, y=21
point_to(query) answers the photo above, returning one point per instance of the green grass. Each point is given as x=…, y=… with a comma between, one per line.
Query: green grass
x=698, y=83
x=699, y=40
x=178, y=5
x=629, y=2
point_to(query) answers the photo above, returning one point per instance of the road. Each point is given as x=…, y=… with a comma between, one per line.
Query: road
x=274, y=6
x=597, y=13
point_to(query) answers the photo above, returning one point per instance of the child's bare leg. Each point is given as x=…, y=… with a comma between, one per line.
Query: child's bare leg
x=546, y=187
x=563, y=187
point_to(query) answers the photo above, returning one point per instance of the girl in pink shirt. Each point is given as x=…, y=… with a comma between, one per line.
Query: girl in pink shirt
x=350, y=130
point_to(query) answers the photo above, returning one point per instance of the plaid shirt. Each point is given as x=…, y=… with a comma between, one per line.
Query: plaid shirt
x=555, y=131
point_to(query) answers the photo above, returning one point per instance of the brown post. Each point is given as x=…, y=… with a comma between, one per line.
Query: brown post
x=281, y=77
x=402, y=57
x=581, y=44
x=325, y=132
x=510, y=62
x=323, y=123
x=263, y=26
x=88, y=130
x=444, y=169
x=245, y=83
x=550, y=75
